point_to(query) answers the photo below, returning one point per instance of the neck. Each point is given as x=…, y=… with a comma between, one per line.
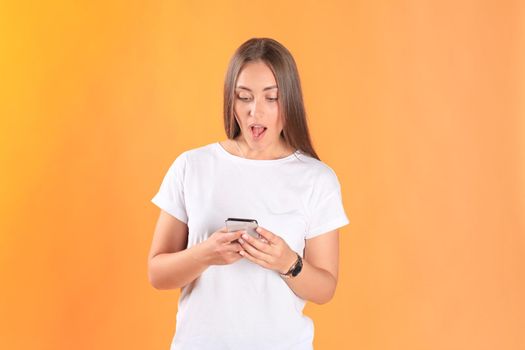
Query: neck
x=276, y=151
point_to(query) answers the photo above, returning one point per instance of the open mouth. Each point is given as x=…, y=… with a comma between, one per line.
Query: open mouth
x=258, y=131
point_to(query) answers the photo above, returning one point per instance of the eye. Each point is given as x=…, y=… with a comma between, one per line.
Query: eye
x=272, y=99
x=244, y=98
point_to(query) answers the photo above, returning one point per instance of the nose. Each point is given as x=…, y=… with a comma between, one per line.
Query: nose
x=255, y=109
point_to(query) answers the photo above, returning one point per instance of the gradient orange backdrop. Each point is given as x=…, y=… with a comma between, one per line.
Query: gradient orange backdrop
x=417, y=105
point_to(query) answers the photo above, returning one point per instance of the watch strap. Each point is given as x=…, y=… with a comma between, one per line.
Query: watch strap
x=297, y=265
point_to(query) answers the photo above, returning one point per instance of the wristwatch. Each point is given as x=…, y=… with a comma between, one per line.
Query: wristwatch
x=295, y=269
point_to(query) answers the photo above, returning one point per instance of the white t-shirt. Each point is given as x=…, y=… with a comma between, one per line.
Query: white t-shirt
x=243, y=305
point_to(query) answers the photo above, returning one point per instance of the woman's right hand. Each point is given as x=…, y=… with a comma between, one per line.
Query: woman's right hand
x=221, y=247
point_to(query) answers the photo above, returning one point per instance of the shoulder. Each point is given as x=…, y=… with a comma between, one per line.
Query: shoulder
x=319, y=177
x=196, y=153
x=316, y=168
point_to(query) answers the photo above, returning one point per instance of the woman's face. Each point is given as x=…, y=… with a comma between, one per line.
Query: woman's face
x=256, y=106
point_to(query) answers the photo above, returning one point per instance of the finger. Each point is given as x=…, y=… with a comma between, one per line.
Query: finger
x=254, y=259
x=256, y=253
x=234, y=247
x=234, y=257
x=232, y=236
x=257, y=243
x=270, y=237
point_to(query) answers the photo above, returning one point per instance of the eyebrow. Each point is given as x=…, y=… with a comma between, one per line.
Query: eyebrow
x=266, y=88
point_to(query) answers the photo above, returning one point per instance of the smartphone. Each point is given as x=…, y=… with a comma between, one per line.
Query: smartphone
x=237, y=224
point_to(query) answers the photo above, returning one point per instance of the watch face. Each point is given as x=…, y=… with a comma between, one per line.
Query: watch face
x=297, y=268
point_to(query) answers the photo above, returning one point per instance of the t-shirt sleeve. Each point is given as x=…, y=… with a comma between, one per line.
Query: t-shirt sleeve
x=327, y=212
x=170, y=196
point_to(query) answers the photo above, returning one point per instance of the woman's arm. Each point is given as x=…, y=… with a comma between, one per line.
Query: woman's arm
x=318, y=278
x=171, y=265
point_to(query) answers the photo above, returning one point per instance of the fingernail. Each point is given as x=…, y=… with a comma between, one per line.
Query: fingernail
x=245, y=236
x=258, y=229
x=241, y=240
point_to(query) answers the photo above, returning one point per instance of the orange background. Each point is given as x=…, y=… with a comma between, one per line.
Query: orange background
x=419, y=106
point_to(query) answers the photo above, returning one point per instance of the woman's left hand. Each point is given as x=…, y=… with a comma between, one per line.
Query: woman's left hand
x=270, y=251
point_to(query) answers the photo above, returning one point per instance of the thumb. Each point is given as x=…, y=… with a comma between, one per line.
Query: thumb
x=232, y=236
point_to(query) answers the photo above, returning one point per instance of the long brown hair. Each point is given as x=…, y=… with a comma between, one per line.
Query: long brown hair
x=290, y=96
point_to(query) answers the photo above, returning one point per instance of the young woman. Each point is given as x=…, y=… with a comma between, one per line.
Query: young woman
x=240, y=291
